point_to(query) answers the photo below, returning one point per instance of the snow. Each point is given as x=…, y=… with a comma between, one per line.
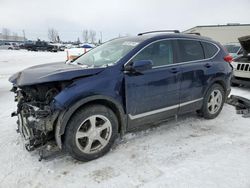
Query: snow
x=190, y=152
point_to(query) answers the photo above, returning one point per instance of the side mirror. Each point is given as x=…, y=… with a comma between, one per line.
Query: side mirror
x=140, y=66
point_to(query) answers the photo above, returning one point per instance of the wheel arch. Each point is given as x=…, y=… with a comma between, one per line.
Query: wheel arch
x=109, y=102
x=221, y=82
x=216, y=81
x=203, y=111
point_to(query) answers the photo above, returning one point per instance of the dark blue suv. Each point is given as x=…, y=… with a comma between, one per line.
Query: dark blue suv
x=120, y=86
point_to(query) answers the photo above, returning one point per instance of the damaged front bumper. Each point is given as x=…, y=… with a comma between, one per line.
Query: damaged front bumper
x=241, y=81
x=241, y=104
x=35, y=130
x=35, y=122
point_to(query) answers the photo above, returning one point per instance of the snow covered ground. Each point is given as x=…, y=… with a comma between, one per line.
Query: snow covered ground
x=191, y=152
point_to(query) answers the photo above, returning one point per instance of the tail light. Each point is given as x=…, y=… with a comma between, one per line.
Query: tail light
x=228, y=58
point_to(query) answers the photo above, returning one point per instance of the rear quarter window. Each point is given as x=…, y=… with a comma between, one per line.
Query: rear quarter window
x=190, y=50
x=209, y=49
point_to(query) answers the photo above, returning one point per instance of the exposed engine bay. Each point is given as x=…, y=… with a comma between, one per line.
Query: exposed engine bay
x=36, y=117
x=38, y=110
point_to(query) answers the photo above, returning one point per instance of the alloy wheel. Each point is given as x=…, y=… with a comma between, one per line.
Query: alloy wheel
x=214, y=101
x=93, y=134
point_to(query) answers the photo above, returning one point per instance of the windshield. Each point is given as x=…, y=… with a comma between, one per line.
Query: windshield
x=232, y=48
x=106, y=54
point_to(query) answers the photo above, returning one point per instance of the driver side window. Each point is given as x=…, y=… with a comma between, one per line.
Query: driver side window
x=161, y=53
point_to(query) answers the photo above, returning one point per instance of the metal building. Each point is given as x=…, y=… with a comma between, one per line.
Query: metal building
x=223, y=33
x=11, y=38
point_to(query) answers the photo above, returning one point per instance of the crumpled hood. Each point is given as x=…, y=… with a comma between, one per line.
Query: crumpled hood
x=245, y=43
x=51, y=72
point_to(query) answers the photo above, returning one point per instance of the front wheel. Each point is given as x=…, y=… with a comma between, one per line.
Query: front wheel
x=213, y=102
x=91, y=132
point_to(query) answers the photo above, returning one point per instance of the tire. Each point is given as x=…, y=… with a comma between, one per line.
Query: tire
x=213, y=102
x=93, y=141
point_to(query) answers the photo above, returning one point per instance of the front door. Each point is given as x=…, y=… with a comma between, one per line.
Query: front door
x=153, y=95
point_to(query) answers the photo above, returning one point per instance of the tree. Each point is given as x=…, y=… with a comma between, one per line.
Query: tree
x=78, y=41
x=53, y=35
x=5, y=33
x=100, y=40
x=85, y=36
x=58, y=38
x=92, y=36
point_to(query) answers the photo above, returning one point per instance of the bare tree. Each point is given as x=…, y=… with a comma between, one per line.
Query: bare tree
x=92, y=36
x=85, y=36
x=100, y=40
x=78, y=41
x=58, y=38
x=5, y=33
x=53, y=35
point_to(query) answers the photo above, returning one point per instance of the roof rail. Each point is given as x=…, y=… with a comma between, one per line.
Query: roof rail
x=160, y=31
x=194, y=33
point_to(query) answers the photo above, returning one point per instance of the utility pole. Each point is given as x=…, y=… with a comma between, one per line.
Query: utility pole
x=101, y=36
x=24, y=37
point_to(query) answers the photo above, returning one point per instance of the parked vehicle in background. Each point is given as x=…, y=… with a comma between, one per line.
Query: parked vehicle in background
x=120, y=86
x=73, y=53
x=40, y=46
x=234, y=49
x=59, y=46
x=241, y=64
x=9, y=46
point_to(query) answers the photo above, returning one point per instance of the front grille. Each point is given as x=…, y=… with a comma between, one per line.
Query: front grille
x=243, y=67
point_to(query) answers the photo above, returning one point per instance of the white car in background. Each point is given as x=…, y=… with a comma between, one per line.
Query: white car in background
x=9, y=46
x=73, y=53
x=241, y=64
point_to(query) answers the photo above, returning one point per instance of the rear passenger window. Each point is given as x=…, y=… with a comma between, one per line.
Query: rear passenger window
x=210, y=49
x=190, y=50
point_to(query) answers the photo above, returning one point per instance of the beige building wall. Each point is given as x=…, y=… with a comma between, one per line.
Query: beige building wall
x=222, y=33
x=11, y=38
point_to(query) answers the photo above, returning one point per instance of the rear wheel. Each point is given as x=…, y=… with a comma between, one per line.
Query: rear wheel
x=213, y=102
x=91, y=132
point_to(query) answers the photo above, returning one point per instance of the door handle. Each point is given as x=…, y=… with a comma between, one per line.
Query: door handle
x=208, y=65
x=174, y=70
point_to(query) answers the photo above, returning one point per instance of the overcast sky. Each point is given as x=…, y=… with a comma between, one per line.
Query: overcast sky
x=114, y=17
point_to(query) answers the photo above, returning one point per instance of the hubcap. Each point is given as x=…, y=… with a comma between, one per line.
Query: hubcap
x=214, y=101
x=93, y=134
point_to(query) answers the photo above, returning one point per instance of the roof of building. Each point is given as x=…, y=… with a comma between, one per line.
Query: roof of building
x=223, y=25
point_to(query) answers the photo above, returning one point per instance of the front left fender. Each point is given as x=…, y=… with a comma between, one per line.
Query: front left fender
x=65, y=115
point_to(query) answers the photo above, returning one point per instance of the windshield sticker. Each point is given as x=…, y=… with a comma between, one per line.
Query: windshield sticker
x=129, y=43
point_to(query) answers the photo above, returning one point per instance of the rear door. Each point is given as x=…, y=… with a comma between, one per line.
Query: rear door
x=197, y=69
x=153, y=95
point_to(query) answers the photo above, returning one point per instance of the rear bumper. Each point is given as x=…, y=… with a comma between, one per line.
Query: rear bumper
x=240, y=81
